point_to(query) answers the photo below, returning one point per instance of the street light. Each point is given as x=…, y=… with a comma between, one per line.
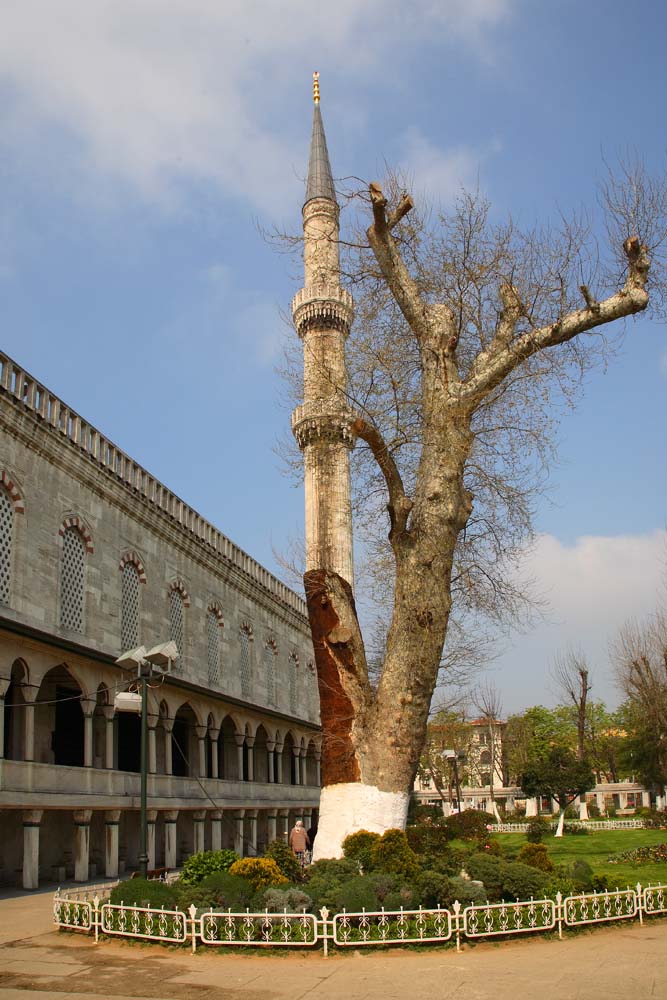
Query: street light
x=158, y=659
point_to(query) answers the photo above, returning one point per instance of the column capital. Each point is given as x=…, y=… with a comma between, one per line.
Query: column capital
x=214, y=734
x=271, y=745
x=272, y=813
x=167, y=725
x=88, y=706
x=32, y=817
x=251, y=813
x=82, y=817
x=151, y=815
x=108, y=711
x=216, y=815
x=199, y=815
x=112, y=817
x=240, y=813
x=201, y=732
x=170, y=816
x=240, y=739
x=152, y=720
x=250, y=741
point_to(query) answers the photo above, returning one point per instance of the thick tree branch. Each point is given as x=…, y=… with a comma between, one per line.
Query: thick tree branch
x=399, y=504
x=490, y=368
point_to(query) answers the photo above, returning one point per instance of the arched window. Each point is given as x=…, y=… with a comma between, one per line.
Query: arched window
x=129, y=607
x=177, y=620
x=6, y=537
x=485, y=758
x=72, y=579
x=293, y=681
x=213, y=626
x=245, y=636
x=270, y=653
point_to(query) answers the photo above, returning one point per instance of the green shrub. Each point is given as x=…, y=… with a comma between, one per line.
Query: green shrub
x=593, y=810
x=506, y=879
x=259, y=872
x=292, y=899
x=221, y=891
x=465, y=891
x=427, y=816
x=284, y=857
x=599, y=883
x=581, y=874
x=144, y=892
x=471, y=824
x=653, y=819
x=572, y=812
x=538, y=828
x=358, y=846
x=537, y=856
x=576, y=829
x=198, y=866
x=324, y=879
x=434, y=888
x=392, y=853
x=428, y=840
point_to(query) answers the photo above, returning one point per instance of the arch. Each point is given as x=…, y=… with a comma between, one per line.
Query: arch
x=74, y=521
x=261, y=754
x=14, y=711
x=15, y=494
x=228, y=757
x=183, y=739
x=179, y=587
x=59, y=726
x=215, y=609
x=289, y=764
x=310, y=665
x=214, y=622
x=131, y=558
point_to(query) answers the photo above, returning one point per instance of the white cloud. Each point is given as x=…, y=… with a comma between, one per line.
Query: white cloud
x=438, y=174
x=153, y=92
x=592, y=587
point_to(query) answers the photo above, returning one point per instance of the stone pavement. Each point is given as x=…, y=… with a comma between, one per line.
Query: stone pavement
x=624, y=961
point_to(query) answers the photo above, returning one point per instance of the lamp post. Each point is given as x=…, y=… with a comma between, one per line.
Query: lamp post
x=159, y=660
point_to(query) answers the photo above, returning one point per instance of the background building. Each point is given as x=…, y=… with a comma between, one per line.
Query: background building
x=97, y=557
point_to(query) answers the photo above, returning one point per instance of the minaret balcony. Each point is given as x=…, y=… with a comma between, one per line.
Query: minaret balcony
x=322, y=307
x=323, y=420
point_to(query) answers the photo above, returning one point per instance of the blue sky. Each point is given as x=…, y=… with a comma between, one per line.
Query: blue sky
x=144, y=144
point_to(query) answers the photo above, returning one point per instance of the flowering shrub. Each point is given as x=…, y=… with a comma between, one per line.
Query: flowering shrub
x=260, y=873
x=641, y=855
x=357, y=847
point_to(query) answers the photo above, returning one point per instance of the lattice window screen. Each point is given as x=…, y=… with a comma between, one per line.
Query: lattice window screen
x=177, y=622
x=6, y=530
x=246, y=675
x=293, y=663
x=71, y=581
x=129, y=607
x=213, y=647
x=270, y=668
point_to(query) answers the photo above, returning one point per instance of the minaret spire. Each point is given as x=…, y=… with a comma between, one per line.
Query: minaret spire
x=322, y=313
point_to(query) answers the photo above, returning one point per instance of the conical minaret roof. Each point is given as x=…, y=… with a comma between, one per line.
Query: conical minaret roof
x=320, y=182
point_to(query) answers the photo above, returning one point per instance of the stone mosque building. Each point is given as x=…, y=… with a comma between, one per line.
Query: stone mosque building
x=98, y=557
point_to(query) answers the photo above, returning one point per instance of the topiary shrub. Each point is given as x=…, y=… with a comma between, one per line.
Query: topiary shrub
x=324, y=879
x=227, y=891
x=198, y=866
x=428, y=840
x=285, y=858
x=392, y=853
x=537, y=856
x=581, y=874
x=260, y=873
x=538, y=828
x=471, y=824
x=357, y=847
x=144, y=892
x=506, y=879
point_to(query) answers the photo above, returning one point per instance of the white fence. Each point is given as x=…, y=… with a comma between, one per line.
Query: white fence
x=379, y=927
x=588, y=824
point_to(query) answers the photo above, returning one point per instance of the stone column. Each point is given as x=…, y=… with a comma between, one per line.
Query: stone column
x=531, y=808
x=239, y=841
x=216, y=830
x=88, y=706
x=29, y=693
x=215, y=735
x=200, y=732
x=111, y=824
x=240, y=740
x=271, y=757
x=199, y=820
x=250, y=743
x=152, y=745
x=318, y=768
x=108, y=712
x=646, y=799
x=151, y=817
x=31, y=820
x=283, y=826
x=304, y=768
x=82, y=819
x=4, y=684
x=583, y=807
x=279, y=763
x=170, y=838
x=599, y=798
x=252, y=816
x=307, y=818
x=168, y=725
x=296, y=752
x=271, y=819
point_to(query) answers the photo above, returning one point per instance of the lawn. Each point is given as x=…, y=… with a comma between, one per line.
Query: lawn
x=596, y=848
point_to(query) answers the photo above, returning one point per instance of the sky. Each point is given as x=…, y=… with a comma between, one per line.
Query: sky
x=144, y=146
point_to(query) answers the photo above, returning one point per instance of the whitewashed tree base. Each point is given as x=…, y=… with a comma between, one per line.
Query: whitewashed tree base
x=349, y=807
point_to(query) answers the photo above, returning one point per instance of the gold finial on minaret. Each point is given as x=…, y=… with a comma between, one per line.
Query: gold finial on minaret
x=316, y=88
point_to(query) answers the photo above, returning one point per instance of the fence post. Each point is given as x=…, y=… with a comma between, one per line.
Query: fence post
x=640, y=903
x=324, y=914
x=559, y=914
x=456, y=906
x=96, y=917
x=192, y=910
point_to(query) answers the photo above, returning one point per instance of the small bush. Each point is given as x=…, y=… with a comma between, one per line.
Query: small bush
x=653, y=819
x=284, y=857
x=292, y=899
x=506, y=879
x=465, y=891
x=471, y=824
x=538, y=828
x=358, y=846
x=535, y=855
x=392, y=853
x=593, y=810
x=428, y=840
x=576, y=829
x=434, y=888
x=260, y=873
x=198, y=866
x=144, y=892
x=221, y=891
x=599, y=883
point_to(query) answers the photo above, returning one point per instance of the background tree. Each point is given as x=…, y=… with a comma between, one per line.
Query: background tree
x=572, y=676
x=561, y=775
x=486, y=699
x=531, y=734
x=446, y=730
x=468, y=333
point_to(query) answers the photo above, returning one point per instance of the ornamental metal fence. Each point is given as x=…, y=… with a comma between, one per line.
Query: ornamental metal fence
x=225, y=928
x=588, y=824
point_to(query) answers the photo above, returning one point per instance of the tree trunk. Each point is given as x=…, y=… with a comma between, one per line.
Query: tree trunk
x=561, y=822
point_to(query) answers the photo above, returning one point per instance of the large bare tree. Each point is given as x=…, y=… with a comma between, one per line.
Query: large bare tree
x=468, y=333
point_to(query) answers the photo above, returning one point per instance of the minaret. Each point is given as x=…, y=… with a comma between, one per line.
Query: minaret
x=322, y=312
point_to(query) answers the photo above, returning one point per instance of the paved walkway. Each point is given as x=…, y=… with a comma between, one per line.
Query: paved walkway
x=624, y=962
